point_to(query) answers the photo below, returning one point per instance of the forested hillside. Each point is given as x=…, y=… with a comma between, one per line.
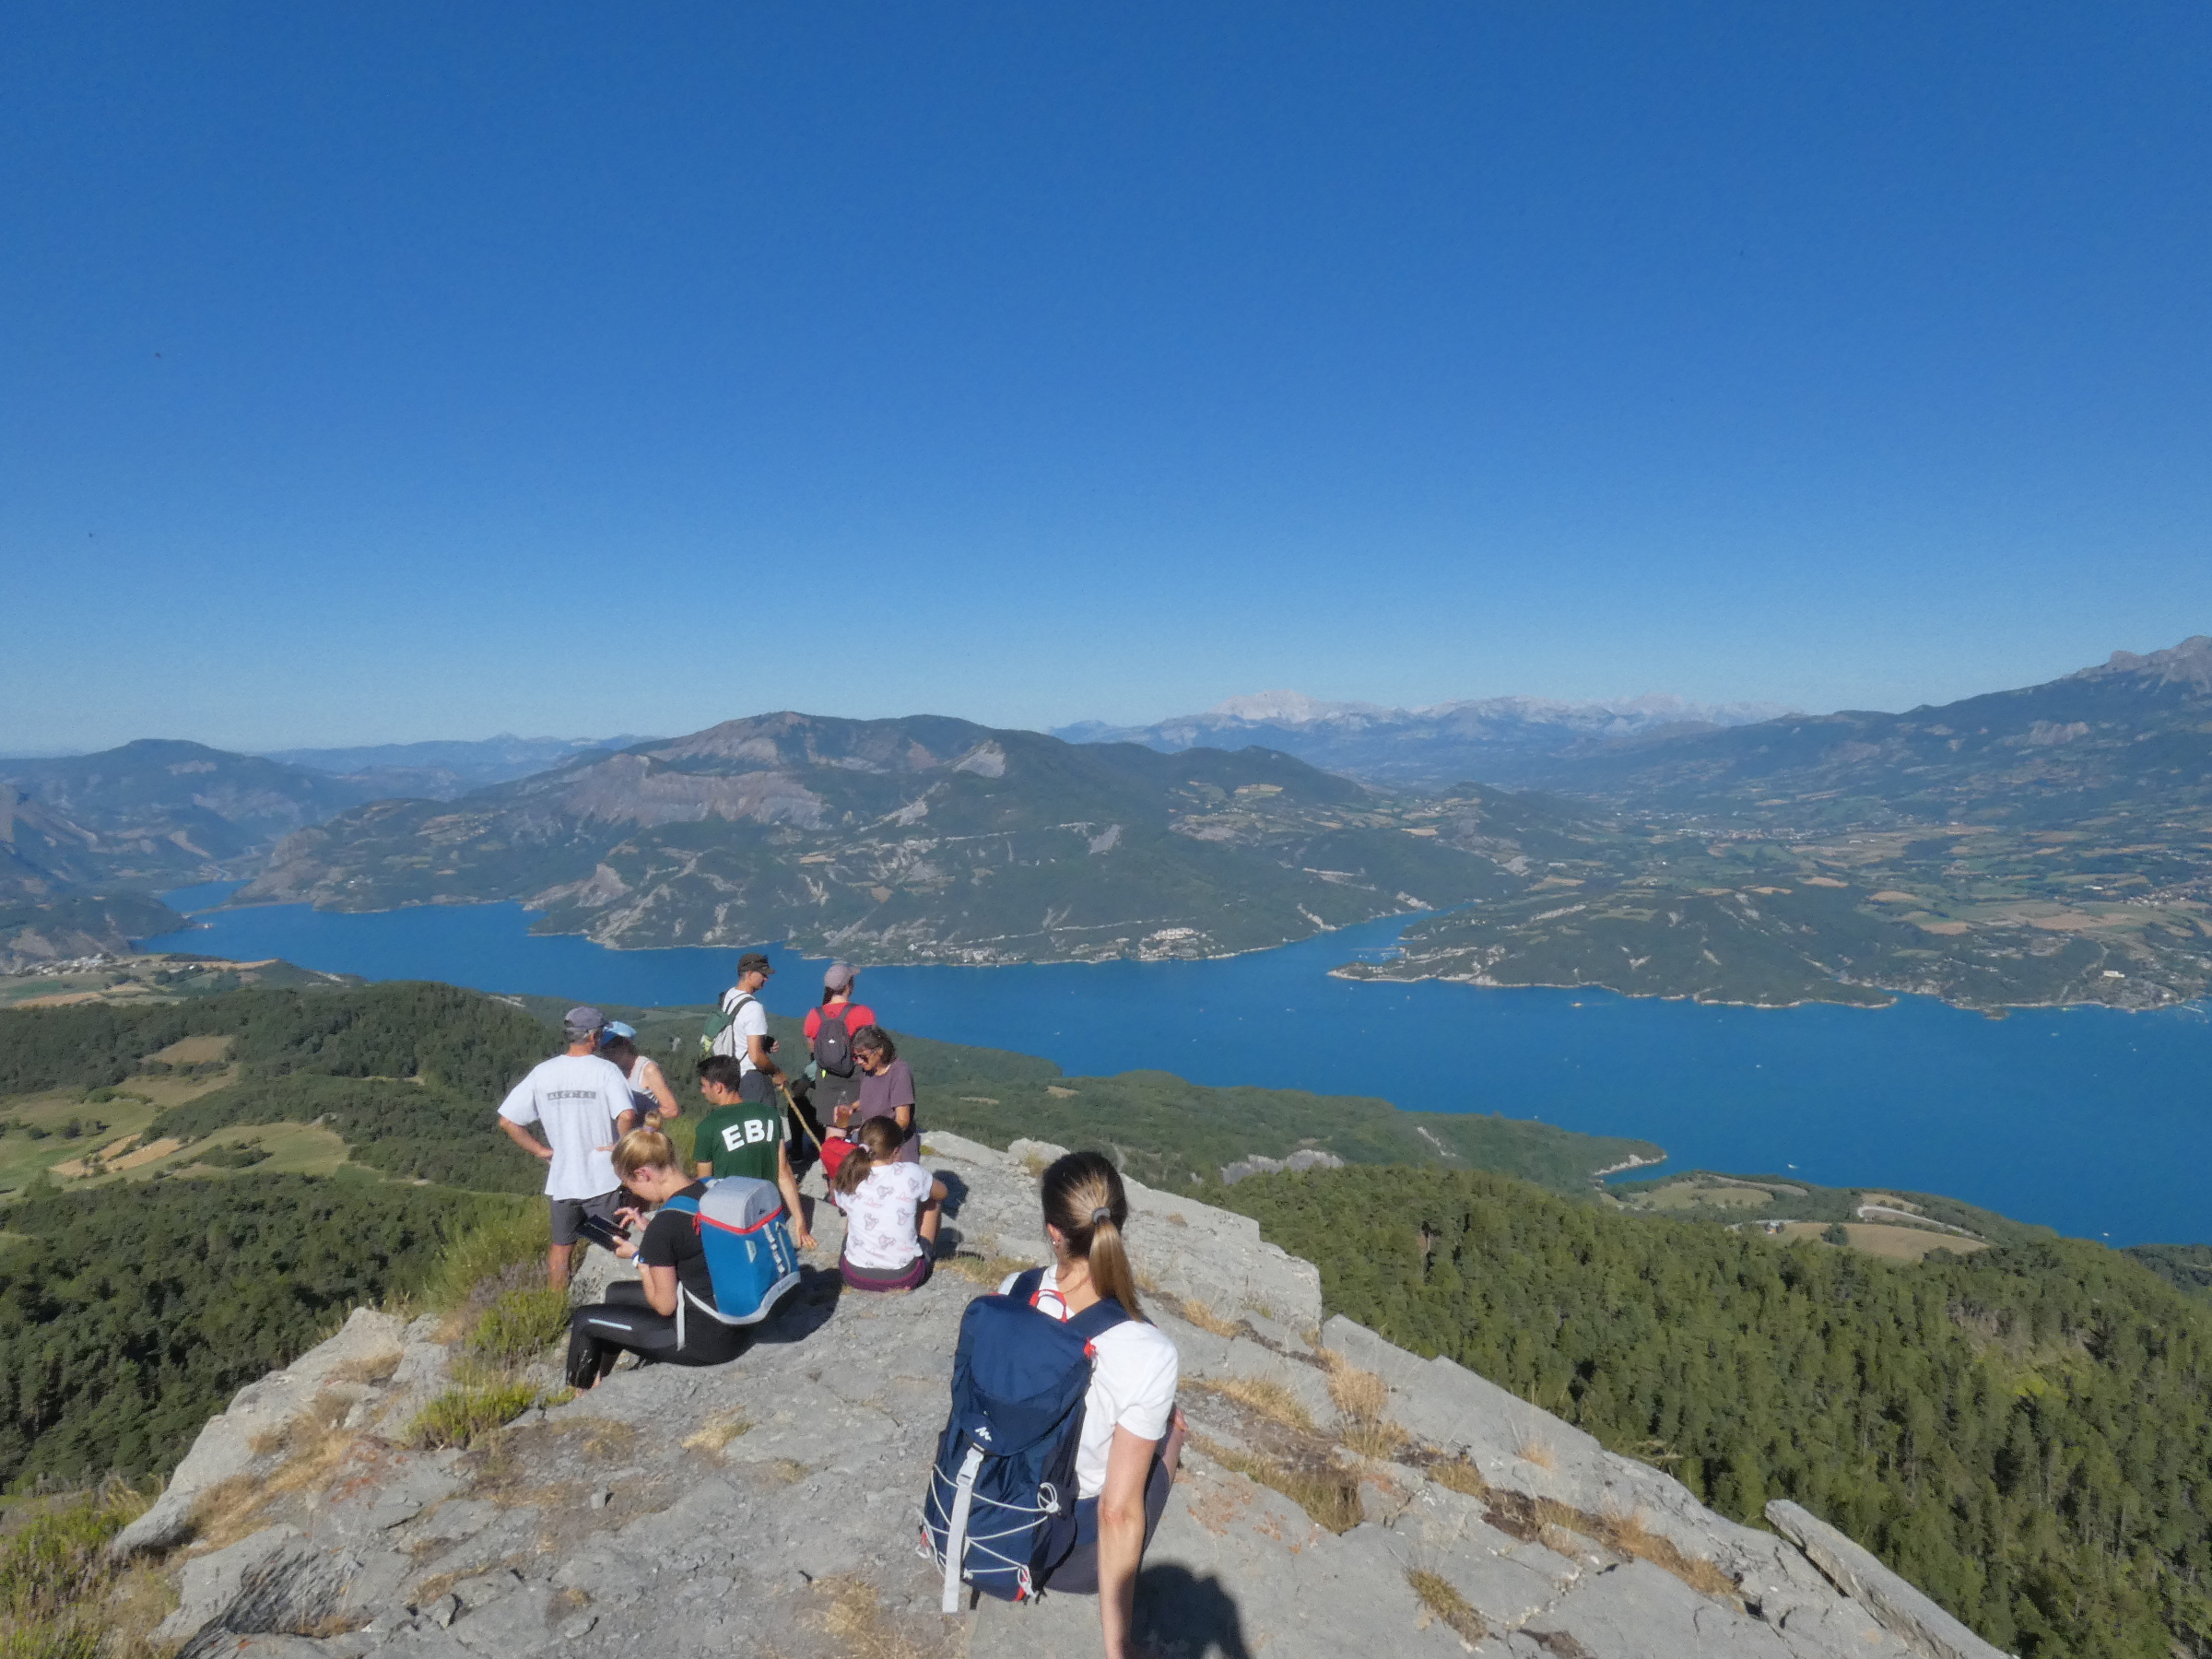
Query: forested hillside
x=129, y=1314
x=2025, y=1433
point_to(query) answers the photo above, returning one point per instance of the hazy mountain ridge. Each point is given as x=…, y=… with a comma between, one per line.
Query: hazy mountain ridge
x=923, y=839
x=1500, y=740
x=86, y=841
x=2133, y=727
x=440, y=770
x=2046, y=846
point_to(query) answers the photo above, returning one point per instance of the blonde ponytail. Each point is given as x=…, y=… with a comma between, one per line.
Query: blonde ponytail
x=1085, y=1200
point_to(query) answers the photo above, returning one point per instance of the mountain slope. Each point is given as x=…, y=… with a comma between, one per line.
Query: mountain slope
x=917, y=840
x=440, y=770
x=2135, y=729
x=2048, y=845
x=1500, y=740
x=157, y=813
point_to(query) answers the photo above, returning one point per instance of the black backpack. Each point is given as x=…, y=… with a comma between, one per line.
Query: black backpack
x=833, y=1044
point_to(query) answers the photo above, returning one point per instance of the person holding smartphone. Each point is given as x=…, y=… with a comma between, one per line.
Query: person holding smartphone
x=639, y=1316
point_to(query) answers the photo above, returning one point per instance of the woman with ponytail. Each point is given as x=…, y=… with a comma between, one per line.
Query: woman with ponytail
x=890, y=1208
x=1132, y=1431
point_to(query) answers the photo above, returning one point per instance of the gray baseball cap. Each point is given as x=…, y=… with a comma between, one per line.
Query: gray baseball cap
x=581, y=1021
x=838, y=976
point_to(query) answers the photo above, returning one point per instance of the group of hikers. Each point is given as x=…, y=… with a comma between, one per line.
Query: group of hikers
x=715, y=1240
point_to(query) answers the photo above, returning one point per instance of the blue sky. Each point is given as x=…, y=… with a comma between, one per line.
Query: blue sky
x=389, y=373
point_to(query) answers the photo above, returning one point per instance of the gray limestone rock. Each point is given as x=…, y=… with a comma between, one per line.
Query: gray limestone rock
x=768, y=1506
x=232, y=1445
x=1924, y=1628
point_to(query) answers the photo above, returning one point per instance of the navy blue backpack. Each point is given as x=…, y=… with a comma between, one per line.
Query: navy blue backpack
x=1001, y=1508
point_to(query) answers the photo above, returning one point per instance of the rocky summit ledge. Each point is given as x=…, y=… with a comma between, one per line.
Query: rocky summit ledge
x=1341, y=1496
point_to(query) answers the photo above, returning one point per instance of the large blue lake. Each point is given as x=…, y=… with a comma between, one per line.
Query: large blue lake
x=2096, y=1122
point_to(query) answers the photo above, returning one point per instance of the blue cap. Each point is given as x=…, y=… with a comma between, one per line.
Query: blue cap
x=615, y=1028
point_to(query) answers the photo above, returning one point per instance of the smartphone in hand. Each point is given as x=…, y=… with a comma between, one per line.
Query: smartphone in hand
x=602, y=1232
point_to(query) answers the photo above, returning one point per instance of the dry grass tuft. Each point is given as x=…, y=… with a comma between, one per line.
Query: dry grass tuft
x=990, y=1271
x=786, y=1471
x=1206, y=1319
x=1447, y=1604
x=1362, y=1397
x=374, y=1370
x=1460, y=1474
x=853, y=1616
x=1260, y=1395
x=1628, y=1536
x=717, y=1432
x=1330, y=1497
x=1531, y=1519
x=310, y=1445
x=1537, y=1453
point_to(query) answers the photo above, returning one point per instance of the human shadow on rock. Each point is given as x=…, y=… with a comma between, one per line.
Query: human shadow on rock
x=956, y=1191
x=805, y=1310
x=1183, y=1616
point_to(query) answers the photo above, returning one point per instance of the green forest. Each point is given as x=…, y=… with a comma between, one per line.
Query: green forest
x=130, y=1314
x=2025, y=1433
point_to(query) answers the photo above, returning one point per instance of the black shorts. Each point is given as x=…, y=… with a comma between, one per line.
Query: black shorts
x=569, y=1212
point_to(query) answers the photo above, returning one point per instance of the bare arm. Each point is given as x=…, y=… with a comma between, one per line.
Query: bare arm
x=757, y=1046
x=1122, y=1537
x=525, y=1140
x=657, y=1086
x=660, y=1291
x=787, y=1183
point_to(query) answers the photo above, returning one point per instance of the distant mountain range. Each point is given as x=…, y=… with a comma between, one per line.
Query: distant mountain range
x=2051, y=844
x=1508, y=741
x=916, y=840
x=2133, y=729
x=440, y=770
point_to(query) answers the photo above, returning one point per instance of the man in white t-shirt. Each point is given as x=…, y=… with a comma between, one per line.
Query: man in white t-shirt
x=747, y=1034
x=583, y=1103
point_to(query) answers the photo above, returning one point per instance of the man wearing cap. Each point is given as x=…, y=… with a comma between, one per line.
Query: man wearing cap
x=747, y=1034
x=829, y=1030
x=583, y=1103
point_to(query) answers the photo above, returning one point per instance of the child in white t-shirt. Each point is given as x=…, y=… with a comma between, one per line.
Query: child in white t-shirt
x=891, y=1211
x=1132, y=1431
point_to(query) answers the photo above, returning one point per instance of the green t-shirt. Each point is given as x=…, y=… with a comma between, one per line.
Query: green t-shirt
x=742, y=1140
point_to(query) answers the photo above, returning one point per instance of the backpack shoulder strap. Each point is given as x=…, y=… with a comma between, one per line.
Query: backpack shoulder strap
x=1098, y=1318
x=682, y=1204
x=1025, y=1286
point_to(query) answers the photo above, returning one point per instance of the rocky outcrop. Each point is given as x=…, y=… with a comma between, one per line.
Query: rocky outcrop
x=1340, y=1496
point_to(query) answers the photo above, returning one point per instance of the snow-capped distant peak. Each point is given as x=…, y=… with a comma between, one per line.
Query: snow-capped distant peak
x=1292, y=708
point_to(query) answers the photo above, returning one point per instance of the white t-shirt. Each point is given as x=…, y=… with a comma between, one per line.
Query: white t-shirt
x=880, y=1217
x=577, y=1097
x=750, y=1020
x=1132, y=1384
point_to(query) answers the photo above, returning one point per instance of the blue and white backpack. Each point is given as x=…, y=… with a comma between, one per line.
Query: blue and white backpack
x=1000, y=1512
x=746, y=1238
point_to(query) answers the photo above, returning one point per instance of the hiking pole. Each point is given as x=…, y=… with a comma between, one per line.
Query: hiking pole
x=794, y=1107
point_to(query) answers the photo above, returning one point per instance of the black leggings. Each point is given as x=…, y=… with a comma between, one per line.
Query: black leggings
x=625, y=1320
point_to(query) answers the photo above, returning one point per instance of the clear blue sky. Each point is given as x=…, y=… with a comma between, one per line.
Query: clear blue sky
x=389, y=371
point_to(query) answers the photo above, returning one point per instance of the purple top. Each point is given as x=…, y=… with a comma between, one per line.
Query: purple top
x=881, y=1095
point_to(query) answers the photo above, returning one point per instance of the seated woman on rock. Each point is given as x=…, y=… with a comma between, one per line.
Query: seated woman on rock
x=641, y=1315
x=891, y=1212
x=1133, y=1433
